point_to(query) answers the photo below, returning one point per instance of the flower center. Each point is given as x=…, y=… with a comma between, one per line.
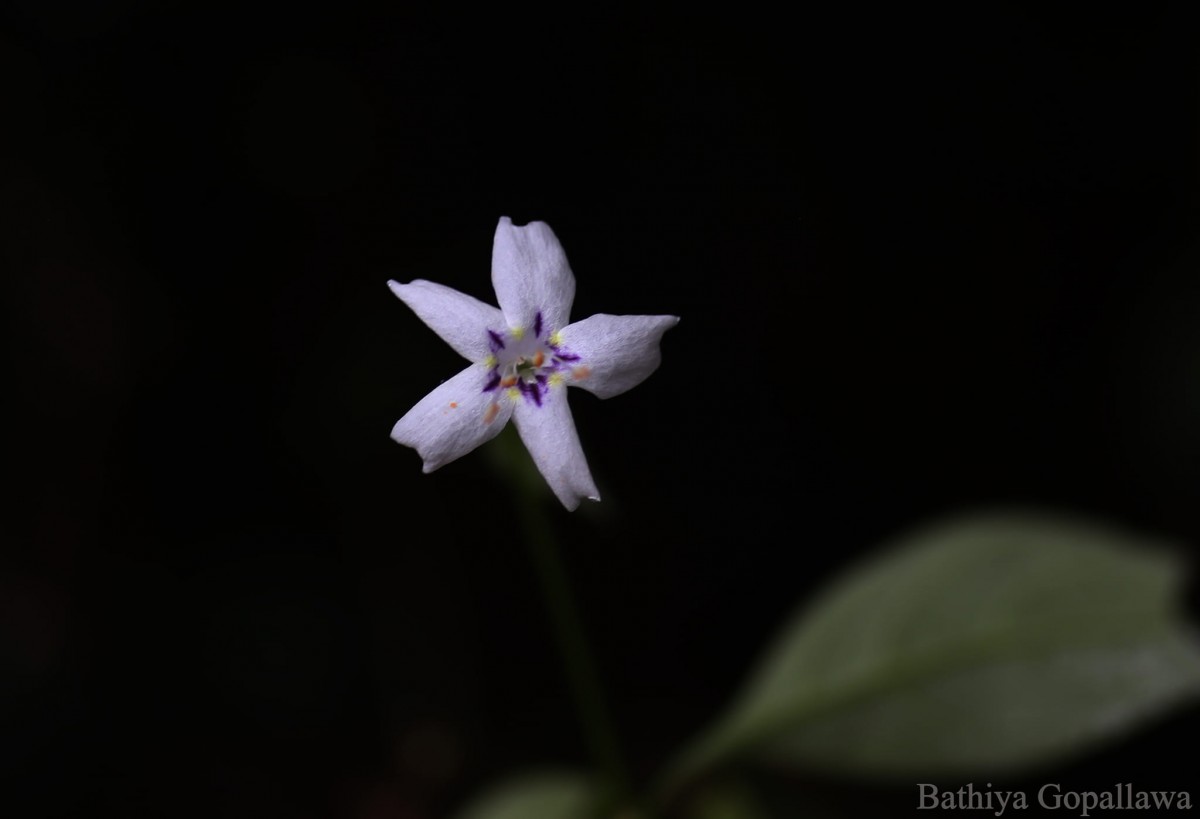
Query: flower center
x=525, y=364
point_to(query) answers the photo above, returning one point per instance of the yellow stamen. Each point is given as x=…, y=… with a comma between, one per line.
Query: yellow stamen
x=517, y=332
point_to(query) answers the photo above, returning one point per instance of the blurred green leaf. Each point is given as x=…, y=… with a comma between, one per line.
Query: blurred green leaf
x=728, y=799
x=987, y=643
x=540, y=795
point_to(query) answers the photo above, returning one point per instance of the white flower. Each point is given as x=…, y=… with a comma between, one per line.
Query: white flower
x=523, y=357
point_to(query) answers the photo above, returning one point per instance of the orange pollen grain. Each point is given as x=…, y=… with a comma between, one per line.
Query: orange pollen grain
x=491, y=413
x=581, y=372
x=453, y=405
x=509, y=381
x=538, y=359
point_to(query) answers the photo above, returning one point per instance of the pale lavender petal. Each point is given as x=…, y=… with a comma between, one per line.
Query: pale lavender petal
x=454, y=419
x=616, y=353
x=548, y=432
x=531, y=275
x=462, y=321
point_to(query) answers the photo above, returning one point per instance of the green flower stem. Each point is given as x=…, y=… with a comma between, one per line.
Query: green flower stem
x=509, y=458
x=568, y=631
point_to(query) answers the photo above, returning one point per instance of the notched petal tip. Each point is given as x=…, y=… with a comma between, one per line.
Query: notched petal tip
x=572, y=504
x=403, y=434
x=400, y=287
x=428, y=464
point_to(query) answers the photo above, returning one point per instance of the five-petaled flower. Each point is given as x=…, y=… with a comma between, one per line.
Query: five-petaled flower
x=523, y=357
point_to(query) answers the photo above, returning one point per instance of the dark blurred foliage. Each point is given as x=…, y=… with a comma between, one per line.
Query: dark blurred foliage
x=925, y=259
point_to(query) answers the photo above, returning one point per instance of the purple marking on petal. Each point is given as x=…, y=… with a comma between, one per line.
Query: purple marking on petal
x=493, y=382
x=537, y=325
x=531, y=391
x=497, y=340
x=566, y=356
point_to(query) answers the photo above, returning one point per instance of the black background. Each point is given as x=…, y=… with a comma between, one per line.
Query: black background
x=925, y=260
